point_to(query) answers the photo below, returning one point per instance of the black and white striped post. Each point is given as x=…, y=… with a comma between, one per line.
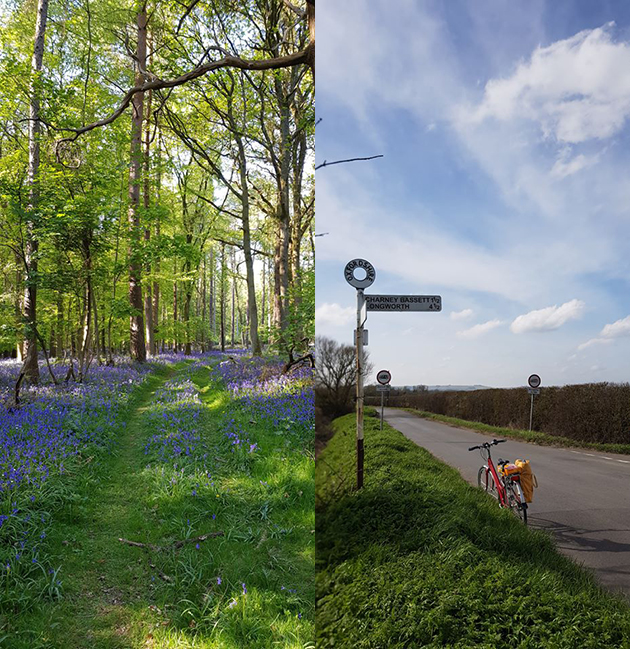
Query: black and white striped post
x=360, y=284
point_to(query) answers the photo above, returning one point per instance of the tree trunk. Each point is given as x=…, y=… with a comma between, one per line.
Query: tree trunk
x=222, y=305
x=252, y=309
x=30, y=369
x=137, y=344
x=148, y=301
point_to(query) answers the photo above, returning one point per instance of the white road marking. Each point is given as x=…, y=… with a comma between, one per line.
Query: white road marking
x=602, y=457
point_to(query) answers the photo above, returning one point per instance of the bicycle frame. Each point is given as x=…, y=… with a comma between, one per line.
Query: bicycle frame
x=498, y=481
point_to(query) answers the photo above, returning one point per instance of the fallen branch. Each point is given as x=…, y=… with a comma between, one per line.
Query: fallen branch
x=176, y=544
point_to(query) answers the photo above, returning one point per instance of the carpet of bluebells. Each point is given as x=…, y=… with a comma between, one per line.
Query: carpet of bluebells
x=55, y=431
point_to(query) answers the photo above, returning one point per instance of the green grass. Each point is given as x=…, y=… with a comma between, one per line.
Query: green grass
x=419, y=558
x=533, y=436
x=116, y=596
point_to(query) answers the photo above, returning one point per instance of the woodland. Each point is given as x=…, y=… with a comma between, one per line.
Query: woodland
x=156, y=179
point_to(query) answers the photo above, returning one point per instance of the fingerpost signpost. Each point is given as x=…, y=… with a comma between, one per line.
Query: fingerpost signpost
x=534, y=388
x=384, y=303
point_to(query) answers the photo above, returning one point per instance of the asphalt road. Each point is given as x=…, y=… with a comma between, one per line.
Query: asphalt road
x=583, y=497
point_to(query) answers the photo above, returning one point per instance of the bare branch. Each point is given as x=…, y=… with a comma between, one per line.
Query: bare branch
x=338, y=162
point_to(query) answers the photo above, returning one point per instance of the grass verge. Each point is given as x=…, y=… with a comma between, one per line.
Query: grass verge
x=419, y=558
x=533, y=437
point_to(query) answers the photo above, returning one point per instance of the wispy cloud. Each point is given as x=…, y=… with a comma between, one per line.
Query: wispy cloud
x=333, y=314
x=548, y=319
x=479, y=329
x=594, y=341
x=461, y=315
x=618, y=329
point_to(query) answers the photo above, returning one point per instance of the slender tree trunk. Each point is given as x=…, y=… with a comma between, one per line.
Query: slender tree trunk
x=252, y=309
x=148, y=301
x=19, y=299
x=175, y=337
x=188, y=288
x=30, y=368
x=222, y=298
x=233, y=312
x=213, y=314
x=60, y=327
x=137, y=344
x=203, y=305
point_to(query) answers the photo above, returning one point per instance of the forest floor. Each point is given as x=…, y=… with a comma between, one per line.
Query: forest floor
x=210, y=487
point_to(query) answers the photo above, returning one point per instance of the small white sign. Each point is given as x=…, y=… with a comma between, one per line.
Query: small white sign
x=534, y=381
x=533, y=390
x=370, y=273
x=366, y=338
x=403, y=303
x=384, y=377
x=382, y=388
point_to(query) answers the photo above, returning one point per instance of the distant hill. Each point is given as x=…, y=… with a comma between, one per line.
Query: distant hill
x=444, y=388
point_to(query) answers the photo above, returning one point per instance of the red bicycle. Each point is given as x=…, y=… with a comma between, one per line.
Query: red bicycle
x=503, y=484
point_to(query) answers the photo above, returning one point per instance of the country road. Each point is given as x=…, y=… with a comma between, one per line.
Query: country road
x=583, y=496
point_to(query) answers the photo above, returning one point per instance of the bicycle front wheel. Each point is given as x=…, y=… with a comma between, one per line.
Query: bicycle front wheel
x=485, y=481
x=516, y=501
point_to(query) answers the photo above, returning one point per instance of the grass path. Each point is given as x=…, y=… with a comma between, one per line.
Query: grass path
x=105, y=586
x=250, y=586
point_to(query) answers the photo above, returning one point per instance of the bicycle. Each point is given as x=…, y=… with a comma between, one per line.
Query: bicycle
x=506, y=488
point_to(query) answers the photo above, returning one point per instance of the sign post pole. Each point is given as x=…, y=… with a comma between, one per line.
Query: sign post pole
x=534, y=388
x=359, y=284
x=383, y=377
x=382, y=402
x=359, y=378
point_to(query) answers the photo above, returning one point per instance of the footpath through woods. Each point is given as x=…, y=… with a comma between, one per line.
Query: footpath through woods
x=196, y=527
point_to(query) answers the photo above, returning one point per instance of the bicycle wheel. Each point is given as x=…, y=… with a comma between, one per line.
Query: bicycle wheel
x=516, y=501
x=485, y=481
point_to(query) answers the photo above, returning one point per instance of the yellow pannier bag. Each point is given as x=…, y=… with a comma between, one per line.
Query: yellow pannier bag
x=509, y=469
x=528, y=479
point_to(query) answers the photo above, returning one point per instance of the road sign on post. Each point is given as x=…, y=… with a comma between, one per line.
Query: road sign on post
x=383, y=377
x=359, y=283
x=534, y=388
x=391, y=303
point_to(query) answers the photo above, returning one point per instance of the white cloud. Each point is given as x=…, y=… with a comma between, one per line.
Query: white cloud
x=594, y=341
x=548, y=319
x=461, y=315
x=565, y=165
x=479, y=329
x=617, y=329
x=333, y=314
x=576, y=89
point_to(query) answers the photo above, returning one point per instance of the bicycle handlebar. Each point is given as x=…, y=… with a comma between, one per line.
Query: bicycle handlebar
x=487, y=444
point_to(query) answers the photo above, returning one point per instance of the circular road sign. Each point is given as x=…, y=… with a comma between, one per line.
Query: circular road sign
x=534, y=381
x=383, y=377
x=351, y=267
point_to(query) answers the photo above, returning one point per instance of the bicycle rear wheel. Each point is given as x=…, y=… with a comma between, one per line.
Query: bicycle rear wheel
x=516, y=501
x=485, y=481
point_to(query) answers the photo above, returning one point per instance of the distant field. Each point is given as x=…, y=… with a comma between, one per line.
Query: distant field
x=419, y=558
x=593, y=413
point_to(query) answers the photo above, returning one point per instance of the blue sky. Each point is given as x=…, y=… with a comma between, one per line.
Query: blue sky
x=504, y=186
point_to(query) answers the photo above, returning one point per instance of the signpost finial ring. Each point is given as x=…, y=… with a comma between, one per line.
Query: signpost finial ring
x=370, y=273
